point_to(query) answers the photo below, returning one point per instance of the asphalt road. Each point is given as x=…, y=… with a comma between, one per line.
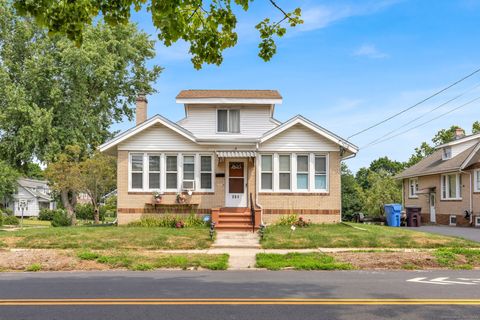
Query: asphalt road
x=241, y=295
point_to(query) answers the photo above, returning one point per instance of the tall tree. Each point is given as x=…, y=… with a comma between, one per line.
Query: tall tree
x=445, y=135
x=391, y=167
x=476, y=127
x=350, y=194
x=209, y=26
x=8, y=181
x=97, y=178
x=420, y=152
x=383, y=189
x=55, y=94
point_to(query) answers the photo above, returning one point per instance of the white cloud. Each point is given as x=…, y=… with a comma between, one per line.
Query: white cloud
x=320, y=16
x=369, y=51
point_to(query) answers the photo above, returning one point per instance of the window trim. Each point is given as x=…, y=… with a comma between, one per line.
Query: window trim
x=476, y=180
x=271, y=172
x=130, y=171
x=327, y=168
x=415, y=194
x=450, y=220
x=155, y=154
x=446, y=187
x=212, y=176
x=228, y=121
x=289, y=172
x=303, y=172
x=447, y=155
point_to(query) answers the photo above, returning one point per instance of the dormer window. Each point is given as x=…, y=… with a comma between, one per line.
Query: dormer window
x=447, y=153
x=228, y=121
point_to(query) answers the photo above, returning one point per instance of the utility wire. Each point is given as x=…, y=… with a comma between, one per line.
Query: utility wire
x=424, y=123
x=416, y=104
x=423, y=115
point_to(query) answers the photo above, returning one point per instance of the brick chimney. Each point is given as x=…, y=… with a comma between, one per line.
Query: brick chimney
x=141, y=108
x=459, y=133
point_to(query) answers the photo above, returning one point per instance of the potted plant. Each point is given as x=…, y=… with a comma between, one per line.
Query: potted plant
x=157, y=197
x=181, y=198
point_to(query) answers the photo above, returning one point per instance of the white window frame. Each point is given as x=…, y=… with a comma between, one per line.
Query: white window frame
x=130, y=171
x=308, y=172
x=447, y=153
x=178, y=172
x=327, y=168
x=450, y=223
x=262, y=171
x=228, y=121
x=159, y=172
x=413, y=182
x=212, y=176
x=476, y=179
x=280, y=172
x=444, y=183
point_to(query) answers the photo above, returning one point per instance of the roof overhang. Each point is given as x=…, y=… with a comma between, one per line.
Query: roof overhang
x=312, y=126
x=157, y=119
x=451, y=170
x=227, y=101
x=236, y=154
x=459, y=141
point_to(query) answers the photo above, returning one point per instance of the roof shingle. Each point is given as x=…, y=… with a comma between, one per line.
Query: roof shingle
x=239, y=94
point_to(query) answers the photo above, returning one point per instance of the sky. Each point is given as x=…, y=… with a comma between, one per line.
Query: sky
x=349, y=66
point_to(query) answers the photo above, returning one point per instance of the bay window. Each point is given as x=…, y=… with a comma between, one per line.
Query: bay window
x=413, y=188
x=136, y=171
x=284, y=172
x=302, y=172
x=206, y=172
x=320, y=172
x=451, y=186
x=267, y=172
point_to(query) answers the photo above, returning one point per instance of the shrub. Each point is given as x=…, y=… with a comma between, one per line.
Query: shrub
x=85, y=212
x=11, y=220
x=169, y=221
x=8, y=211
x=46, y=214
x=34, y=267
x=293, y=220
x=1, y=218
x=88, y=255
x=61, y=219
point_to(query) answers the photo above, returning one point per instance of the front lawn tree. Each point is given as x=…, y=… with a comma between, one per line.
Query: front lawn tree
x=384, y=189
x=8, y=181
x=55, y=94
x=208, y=26
x=97, y=178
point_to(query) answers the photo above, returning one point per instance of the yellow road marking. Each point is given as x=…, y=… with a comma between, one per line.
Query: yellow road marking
x=227, y=301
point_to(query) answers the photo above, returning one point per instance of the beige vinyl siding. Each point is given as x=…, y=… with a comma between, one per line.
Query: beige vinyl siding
x=298, y=138
x=459, y=148
x=202, y=121
x=159, y=138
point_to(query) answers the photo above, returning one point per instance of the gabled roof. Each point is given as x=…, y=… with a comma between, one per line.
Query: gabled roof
x=298, y=119
x=433, y=164
x=461, y=140
x=29, y=184
x=157, y=119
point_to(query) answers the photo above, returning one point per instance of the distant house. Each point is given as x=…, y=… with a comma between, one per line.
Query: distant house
x=36, y=195
x=446, y=184
x=227, y=157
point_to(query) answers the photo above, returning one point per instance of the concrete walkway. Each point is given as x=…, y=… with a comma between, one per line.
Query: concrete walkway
x=466, y=233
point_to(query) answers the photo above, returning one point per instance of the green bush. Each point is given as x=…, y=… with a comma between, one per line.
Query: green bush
x=8, y=211
x=288, y=220
x=169, y=221
x=46, y=214
x=61, y=219
x=11, y=220
x=85, y=212
x=88, y=255
x=1, y=217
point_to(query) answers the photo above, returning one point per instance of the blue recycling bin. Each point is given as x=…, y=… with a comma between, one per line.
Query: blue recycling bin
x=393, y=212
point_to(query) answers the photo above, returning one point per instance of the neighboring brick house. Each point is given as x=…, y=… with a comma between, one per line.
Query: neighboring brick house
x=228, y=155
x=446, y=184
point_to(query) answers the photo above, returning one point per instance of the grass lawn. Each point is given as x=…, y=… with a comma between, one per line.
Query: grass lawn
x=35, y=222
x=344, y=235
x=143, y=262
x=300, y=261
x=105, y=238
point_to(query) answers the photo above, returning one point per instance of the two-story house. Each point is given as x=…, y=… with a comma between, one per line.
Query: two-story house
x=446, y=184
x=229, y=155
x=35, y=196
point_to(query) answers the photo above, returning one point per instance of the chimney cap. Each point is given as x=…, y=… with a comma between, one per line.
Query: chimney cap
x=142, y=97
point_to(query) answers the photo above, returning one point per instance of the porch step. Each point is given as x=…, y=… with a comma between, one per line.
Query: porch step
x=233, y=210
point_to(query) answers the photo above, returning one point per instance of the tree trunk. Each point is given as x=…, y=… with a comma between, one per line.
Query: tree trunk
x=96, y=213
x=68, y=206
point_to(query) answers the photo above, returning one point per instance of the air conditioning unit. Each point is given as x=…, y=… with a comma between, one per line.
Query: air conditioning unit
x=188, y=185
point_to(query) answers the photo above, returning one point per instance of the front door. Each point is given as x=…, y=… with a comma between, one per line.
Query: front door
x=432, y=207
x=236, y=191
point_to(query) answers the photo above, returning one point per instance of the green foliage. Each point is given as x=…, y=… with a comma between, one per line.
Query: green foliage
x=300, y=261
x=1, y=218
x=420, y=153
x=8, y=211
x=444, y=135
x=61, y=219
x=351, y=202
x=8, y=178
x=476, y=127
x=287, y=220
x=32, y=170
x=85, y=212
x=11, y=220
x=56, y=94
x=34, y=267
x=169, y=221
x=46, y=214
x=458, y=258
x=111, y=206
x=88, y=255
x=385, y=165
x=208, y=26
x=383, y=189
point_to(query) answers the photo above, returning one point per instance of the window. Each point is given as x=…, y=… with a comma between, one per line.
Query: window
x=267, y=172
x=284, y=172
x=188, y=168
x=320, y=172
x=154, y=172
x=228, y=121
x=477, y=180
x=447, y=153
x=302, y=172
x=136, y=171
x=451, y=186
x=413, y=188
x=453, y=220
x=172, y=182
x=206, y=172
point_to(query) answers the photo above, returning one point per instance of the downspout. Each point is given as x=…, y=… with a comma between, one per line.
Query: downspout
x=257, y=186
x=470, y=195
